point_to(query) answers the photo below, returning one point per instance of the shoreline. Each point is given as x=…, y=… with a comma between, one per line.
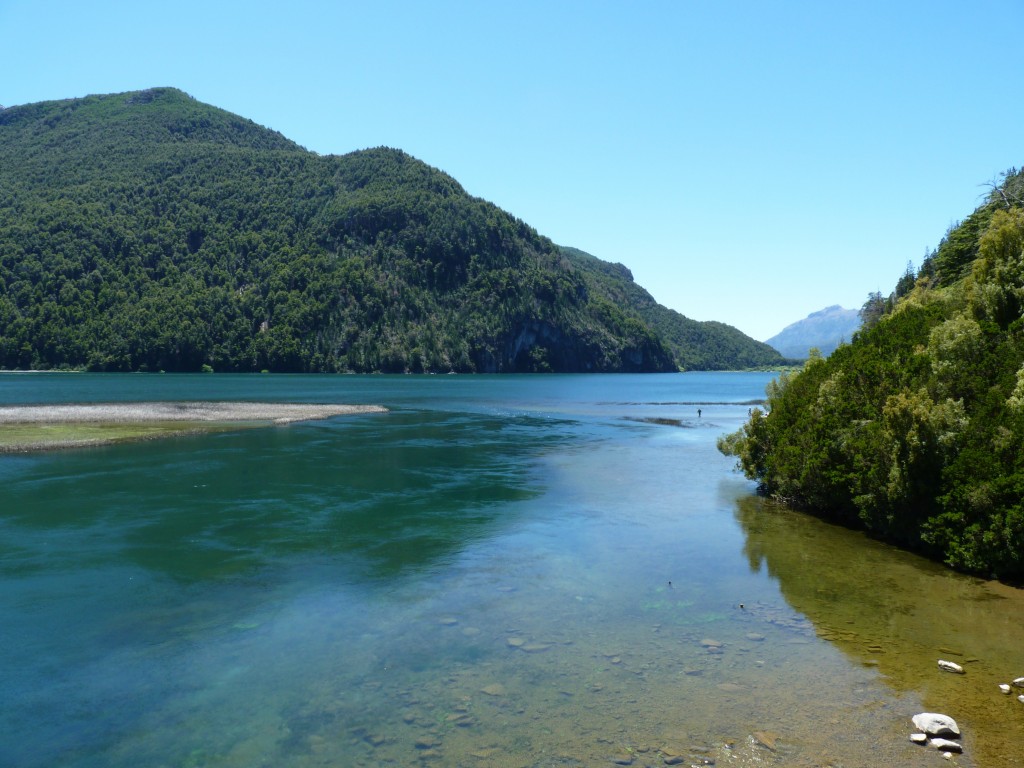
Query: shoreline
x=25, y=428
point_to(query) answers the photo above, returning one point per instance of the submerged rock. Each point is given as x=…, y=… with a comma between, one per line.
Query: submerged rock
x=935, y=724
x=460, y=719
x=535, y=647
x=1019, y=682
x=766, y=739
x=1005, y=688
x=951, y=666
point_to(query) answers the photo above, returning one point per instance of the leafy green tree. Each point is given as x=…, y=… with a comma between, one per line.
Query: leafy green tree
x=872, y=310
x=998, y=272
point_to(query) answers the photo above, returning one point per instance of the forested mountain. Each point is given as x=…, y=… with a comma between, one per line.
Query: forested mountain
x=695, y=345
x=823, y=330
x=915, y=430
x=149, y=231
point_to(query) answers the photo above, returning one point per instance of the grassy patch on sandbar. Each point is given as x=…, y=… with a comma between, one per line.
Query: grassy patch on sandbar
x=16, y=438
x=61, y=425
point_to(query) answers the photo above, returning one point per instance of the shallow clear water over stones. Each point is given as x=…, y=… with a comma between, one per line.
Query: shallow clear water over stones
x=501, y=571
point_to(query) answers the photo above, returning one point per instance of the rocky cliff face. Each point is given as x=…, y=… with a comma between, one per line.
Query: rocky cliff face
x=538, y=346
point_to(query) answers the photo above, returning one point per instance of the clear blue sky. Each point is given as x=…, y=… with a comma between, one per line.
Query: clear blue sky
x=750, y=162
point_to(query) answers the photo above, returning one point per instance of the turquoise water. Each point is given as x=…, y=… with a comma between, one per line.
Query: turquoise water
x=520, y=571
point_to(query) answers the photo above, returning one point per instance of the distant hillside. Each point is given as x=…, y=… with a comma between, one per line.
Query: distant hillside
x=824, y=329
x=149, y=231
x=694, y=345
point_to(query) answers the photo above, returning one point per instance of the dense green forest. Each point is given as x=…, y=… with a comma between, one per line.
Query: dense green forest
x=149, y=231
x=915, y=430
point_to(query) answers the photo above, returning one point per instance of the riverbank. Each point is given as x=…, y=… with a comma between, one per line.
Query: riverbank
x=46, y=427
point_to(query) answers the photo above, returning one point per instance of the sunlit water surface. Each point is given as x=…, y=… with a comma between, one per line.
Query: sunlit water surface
x=501, y=571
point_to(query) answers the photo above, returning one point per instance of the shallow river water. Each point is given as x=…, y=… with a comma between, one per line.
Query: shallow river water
x=500, y=571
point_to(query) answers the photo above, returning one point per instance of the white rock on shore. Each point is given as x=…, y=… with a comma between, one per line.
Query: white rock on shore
x=945, y=745
x=935, y=724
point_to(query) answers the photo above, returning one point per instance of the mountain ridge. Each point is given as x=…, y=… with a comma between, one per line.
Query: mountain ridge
x=823, y=330
x=149, y=231
x=695, y=344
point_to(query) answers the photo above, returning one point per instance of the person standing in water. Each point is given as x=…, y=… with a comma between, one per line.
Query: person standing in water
x=698, y=413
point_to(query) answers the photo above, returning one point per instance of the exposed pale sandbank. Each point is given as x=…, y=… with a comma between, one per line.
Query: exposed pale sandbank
x=122, y=413
x=44, y=427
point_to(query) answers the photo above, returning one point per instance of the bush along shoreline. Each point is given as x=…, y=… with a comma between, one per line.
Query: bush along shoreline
x=914, y=431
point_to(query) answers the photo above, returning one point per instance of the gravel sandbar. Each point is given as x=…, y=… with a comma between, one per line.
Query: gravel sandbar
x=43, y=427
x=121, y=413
